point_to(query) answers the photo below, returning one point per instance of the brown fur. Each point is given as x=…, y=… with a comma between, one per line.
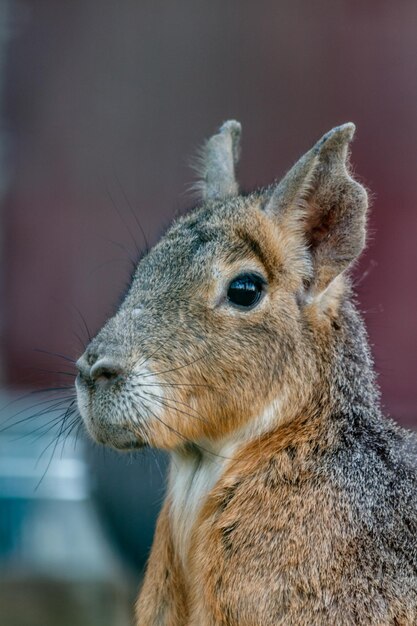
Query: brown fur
x=164, y=587
x=291, y=499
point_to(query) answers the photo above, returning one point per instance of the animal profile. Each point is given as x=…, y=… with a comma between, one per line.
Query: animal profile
x=239, y=349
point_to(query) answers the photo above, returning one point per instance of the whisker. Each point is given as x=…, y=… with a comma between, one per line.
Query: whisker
x=43, y=429
x=35, y=416
x=372, y=265
x=51, y=407
x=82, y=320
x=122, y=220
x=25, y=396
x=81, y=341
x=83, y=325
x=64, y=415
x=184, y=437
x=174, y=369
x=181, y=385
x=72, y=426
x=125, y=250
x=50, y=389
x=62, y=356
x=55, y=442
x=155, y=458
x=105, y=263
x=163, y=402
x=171, y=428
x=77, y=433
x=142, y=363
x=145, y=239
x=59, y=372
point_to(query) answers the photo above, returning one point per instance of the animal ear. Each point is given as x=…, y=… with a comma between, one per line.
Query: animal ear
x=319, y=198
x=217, y=161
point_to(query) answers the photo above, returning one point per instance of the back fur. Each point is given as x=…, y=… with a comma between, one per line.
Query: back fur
x=291, y=499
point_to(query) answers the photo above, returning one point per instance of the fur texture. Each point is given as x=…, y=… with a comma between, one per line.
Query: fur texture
x=292, y=500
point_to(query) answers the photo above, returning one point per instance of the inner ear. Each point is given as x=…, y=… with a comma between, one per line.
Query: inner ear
x=318, y=226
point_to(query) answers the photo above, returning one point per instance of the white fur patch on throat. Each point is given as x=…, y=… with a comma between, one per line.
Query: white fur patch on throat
x=193, y=476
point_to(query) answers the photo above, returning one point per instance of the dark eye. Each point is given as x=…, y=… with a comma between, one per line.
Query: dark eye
x=245, y=290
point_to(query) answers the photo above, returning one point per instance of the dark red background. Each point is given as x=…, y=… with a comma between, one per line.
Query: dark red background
x=107, y=98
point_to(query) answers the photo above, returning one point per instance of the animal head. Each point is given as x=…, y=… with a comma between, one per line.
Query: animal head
x=220, y=326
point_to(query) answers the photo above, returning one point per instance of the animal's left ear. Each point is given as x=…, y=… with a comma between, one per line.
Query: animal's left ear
x=319, y=199
x=216, y=163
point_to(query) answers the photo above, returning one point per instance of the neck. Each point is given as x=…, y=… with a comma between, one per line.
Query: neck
x=351, y=378
x=347, y=389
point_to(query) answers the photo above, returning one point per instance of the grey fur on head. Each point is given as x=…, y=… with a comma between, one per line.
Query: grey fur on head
x=217, y=162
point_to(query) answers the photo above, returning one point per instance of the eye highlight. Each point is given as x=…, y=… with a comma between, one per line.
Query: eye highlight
x=245, y=291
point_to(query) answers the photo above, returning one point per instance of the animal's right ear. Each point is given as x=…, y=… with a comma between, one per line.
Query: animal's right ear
x=216, y=163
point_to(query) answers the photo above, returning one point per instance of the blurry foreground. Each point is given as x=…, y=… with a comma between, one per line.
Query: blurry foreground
x=57, y=566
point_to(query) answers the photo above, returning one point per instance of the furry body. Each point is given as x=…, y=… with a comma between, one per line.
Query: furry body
x=314, y=523
x=292, y=500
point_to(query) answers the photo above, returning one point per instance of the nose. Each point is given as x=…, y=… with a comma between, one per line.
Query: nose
x=103, y=372
x=106, y=371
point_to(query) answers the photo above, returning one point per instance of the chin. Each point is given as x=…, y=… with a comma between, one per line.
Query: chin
x=116, y=436
x=126, y=446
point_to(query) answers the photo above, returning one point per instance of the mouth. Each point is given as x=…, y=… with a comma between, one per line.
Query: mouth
x=126, y=446
x=117, y=434
x=114, y=436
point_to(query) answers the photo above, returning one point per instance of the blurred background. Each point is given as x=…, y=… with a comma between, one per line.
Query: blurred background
x=102, y=104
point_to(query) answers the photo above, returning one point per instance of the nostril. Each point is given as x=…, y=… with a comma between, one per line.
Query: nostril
x=106, y=371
